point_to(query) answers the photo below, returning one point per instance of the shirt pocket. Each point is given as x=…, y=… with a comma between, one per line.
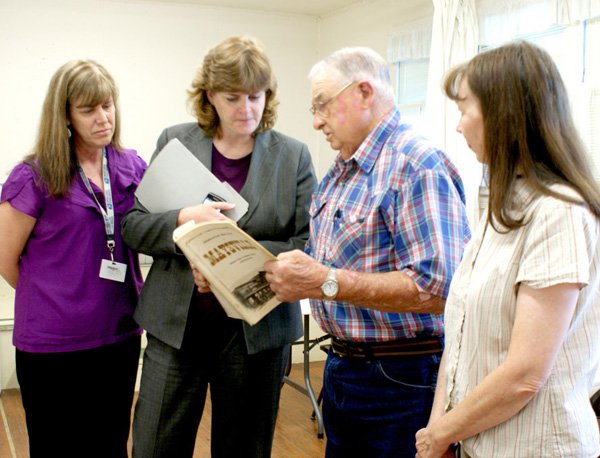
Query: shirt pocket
x=362, y=234
x=347, y=243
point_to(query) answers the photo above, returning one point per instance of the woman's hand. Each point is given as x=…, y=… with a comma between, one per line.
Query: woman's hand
x=210, y=211
x=15, y=229
x=201, y=282
x=427, y=446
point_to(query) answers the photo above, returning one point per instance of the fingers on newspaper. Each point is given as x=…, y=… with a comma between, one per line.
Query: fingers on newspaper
x=232, y=262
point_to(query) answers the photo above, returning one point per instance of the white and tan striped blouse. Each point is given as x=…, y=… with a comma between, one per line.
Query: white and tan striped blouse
x=559, y=245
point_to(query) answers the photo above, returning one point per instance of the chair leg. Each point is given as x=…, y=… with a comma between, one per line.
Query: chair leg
x=288, y=366
x=323, y=348
x=319, y=401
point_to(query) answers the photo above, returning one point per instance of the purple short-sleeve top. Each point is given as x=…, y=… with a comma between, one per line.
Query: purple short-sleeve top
x=61, y=303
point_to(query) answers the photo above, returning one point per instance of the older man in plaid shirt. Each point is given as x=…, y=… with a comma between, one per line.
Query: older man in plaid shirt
x=388, y=227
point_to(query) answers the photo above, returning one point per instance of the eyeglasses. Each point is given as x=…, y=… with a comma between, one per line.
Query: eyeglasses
x=320, y=107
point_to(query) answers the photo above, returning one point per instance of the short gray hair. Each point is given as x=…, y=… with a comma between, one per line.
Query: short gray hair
x=356, y=64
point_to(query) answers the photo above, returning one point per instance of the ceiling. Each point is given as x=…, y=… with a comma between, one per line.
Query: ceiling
x=309, y=7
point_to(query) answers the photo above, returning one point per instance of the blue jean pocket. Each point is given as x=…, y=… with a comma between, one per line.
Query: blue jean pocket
x=419, y=374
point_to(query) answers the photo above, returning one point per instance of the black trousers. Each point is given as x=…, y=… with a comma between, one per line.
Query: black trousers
x=78, y=404
x=244, y=392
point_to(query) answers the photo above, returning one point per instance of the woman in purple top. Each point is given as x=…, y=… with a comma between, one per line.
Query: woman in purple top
x=77, y=345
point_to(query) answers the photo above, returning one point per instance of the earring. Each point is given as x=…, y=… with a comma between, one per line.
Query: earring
x=69, y=134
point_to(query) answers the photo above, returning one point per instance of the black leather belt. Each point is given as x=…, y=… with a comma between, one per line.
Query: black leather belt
x=392, y=349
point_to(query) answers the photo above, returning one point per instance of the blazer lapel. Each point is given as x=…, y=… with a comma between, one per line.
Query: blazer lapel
x=201, y=147
x=262, y=166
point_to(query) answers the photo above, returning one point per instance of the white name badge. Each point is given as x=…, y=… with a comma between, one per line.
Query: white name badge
x=113, y=270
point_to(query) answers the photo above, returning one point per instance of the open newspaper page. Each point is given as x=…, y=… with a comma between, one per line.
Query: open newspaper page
x=232, y=262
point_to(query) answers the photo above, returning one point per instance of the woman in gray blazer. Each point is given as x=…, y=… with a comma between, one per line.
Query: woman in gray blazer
x=191, y=342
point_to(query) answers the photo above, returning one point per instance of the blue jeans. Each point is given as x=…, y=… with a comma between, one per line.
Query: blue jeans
x=374, y=408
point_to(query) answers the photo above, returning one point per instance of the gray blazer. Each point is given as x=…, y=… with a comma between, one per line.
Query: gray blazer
x=278, y=189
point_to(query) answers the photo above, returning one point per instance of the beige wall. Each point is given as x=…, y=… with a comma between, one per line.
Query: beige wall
x=369, y=24
x=152, y=48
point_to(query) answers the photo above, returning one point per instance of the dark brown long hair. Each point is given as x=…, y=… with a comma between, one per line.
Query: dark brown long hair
x=528, y=128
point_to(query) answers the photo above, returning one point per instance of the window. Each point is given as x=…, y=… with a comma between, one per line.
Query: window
x=574, y=49
x=591, y=78
x=594, y=143
x=411, y=89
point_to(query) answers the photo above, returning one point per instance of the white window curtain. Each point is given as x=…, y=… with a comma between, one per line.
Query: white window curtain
x=454, y=40
x=572, y=11
x=411, y=41
x=457, y=28
x=502, y=21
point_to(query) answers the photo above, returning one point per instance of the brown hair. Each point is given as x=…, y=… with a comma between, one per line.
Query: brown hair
x=237, y=64
x=81, y=81
x=528, y=127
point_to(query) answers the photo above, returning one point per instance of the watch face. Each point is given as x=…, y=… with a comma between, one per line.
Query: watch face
x=330, y=288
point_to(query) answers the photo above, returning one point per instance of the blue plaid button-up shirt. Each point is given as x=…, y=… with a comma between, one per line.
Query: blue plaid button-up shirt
x=396, y=205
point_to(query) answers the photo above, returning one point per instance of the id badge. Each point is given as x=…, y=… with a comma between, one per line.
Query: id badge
x=112, y=270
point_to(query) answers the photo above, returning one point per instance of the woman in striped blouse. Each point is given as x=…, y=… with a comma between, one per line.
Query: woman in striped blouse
x=522, y=320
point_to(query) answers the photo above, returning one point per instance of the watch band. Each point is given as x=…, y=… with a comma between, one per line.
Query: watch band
x=330, y=286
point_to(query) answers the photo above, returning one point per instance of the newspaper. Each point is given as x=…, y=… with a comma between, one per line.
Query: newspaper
x=232, y=262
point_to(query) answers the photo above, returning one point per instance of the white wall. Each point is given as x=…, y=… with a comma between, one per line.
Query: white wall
x=370, y=24
x=152, y=48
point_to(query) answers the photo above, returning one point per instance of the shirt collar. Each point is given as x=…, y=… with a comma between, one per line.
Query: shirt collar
x=367, y=153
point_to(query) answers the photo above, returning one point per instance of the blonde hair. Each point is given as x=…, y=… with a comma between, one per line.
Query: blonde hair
x=82, y=81
x=238, y=64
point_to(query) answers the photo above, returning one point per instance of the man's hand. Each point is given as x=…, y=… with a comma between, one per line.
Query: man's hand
x=295, y=275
